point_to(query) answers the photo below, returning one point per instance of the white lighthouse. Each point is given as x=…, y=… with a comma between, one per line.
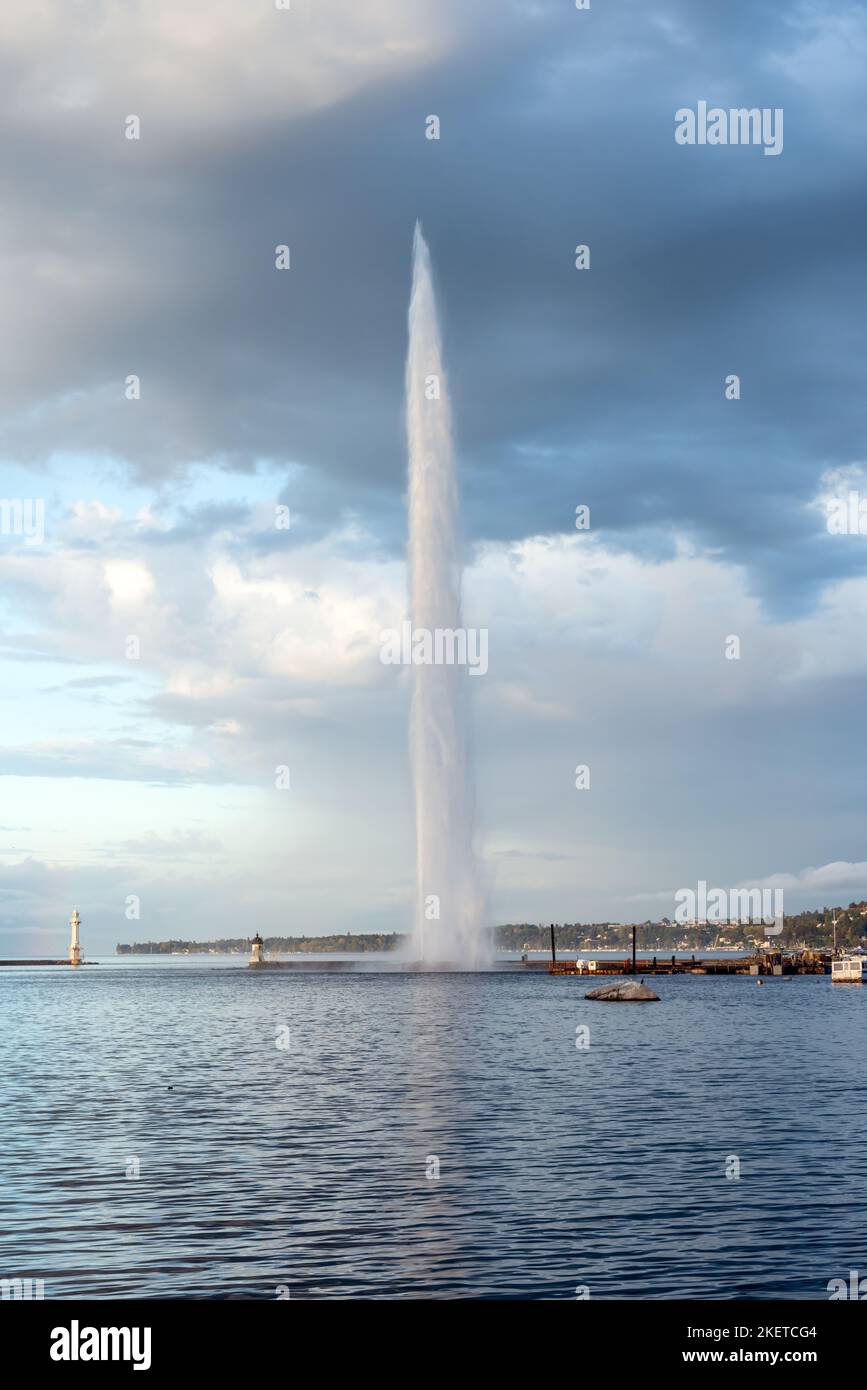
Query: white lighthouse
x=74, y=947
x=256, y=954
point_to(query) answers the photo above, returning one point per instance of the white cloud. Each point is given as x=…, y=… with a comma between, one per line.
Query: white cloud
x=569, y=622
x=130, y=583
x=164, y=60
x=827, y=878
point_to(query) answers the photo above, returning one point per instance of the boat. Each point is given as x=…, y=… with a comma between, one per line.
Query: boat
x=848, y=970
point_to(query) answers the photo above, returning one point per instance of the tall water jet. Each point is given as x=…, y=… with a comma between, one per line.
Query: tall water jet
x=448, y=915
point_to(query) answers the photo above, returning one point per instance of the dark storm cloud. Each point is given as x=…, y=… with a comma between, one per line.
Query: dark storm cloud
x=604, y=387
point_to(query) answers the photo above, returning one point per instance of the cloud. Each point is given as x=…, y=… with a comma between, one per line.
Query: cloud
x=183, y=844
x=806, y=887
x=604, y=387
x=89, y=683
x=828, y=878
x=167, y=59
x=115, y=759
x=825, y=55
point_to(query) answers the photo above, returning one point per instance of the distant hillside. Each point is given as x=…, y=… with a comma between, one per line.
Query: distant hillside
x=811, y=928
x=351, y=941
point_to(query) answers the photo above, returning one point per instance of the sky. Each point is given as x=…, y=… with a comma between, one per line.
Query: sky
x=144, y=788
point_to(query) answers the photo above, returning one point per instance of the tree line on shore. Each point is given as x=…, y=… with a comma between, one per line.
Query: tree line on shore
x=812, y=928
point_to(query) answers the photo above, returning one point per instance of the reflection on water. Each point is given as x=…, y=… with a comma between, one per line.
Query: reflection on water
x=311, y=1167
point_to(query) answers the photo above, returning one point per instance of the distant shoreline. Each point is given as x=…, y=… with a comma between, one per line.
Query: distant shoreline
x=801, y=931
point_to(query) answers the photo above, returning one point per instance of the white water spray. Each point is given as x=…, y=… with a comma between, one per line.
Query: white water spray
x=448, y=919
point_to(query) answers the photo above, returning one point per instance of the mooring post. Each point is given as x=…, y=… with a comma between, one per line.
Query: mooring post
x=553, y=948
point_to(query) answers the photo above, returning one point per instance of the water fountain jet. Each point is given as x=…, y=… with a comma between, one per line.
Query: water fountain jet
x=448, y=923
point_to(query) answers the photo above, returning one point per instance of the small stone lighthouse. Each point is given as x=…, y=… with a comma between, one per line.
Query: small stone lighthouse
x=256, y=954
x=74, y=947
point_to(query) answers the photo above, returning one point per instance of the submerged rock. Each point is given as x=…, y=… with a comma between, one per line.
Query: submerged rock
x=625, y=992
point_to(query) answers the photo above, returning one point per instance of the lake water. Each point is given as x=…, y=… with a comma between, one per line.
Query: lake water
x=306, y=1168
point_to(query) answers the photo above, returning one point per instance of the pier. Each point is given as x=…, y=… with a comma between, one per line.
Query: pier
x=762, y=964
x=73, y=958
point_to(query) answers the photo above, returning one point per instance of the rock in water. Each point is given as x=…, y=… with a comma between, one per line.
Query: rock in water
x=624, y=993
